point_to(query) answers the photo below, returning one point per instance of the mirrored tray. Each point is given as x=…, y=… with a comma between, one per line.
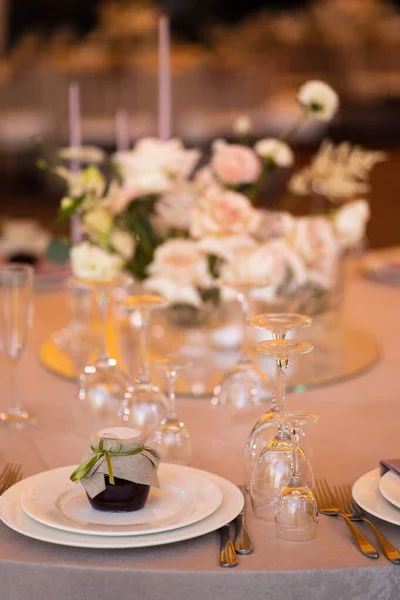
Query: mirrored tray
x=341, y=352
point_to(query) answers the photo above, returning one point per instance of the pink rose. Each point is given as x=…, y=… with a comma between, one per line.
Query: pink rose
x=234, y=164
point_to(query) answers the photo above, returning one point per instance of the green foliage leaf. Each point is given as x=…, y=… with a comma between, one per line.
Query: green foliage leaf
x=65, y=213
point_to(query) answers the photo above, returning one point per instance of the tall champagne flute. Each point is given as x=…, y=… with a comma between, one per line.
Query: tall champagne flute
x=278, y=324
x=16, y=311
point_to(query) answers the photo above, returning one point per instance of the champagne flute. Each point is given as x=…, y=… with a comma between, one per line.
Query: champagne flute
x=172, y=439
x=16, y=311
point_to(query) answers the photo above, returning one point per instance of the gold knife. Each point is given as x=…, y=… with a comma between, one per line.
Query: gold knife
x=243, y=543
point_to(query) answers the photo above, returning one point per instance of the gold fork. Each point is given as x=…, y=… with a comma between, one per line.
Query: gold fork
x=328, y=505
x=355, y=513
x=11, y=474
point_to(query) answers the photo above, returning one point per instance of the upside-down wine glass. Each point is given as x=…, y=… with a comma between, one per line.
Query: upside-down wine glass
x=172, y=439
x=279, y=324
x=296, y=514
x=103, y=385
x=16, y=310
x=245, y=384
x=273, y=467
x=145, y=406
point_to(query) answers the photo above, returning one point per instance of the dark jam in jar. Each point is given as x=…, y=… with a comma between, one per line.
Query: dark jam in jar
x=23, y=257
x=124, y=496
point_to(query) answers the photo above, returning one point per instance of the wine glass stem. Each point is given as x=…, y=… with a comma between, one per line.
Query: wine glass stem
x=243, y=299
x=171, y=377
x=15, y=405
x=144, y=371
x=280, y=383
x=295, y=445
x=274, y=405
x=102, y=298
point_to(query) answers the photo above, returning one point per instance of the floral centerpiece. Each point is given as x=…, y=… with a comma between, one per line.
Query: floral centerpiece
x=179, y=227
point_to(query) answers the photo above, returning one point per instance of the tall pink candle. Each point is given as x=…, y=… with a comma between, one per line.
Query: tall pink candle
x=122, y=130
x=164, y=80
x=75, y=140
x=74, y=109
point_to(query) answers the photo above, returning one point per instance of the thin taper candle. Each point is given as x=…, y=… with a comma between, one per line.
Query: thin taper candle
x=164, y=79
x=75, y=141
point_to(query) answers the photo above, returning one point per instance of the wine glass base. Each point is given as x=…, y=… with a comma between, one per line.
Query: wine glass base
x=18, y=419
x=172, y=441
x=242, y=387
x=145, y=408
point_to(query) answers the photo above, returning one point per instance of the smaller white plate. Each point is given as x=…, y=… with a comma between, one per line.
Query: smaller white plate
x=185, y=497
x=389, y=486
x=367, y=495
x=13, y=516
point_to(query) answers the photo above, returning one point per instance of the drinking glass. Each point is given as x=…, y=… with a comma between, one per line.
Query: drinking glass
x=279, y=324
x=16, y=311
x=296, y=515
x=145, y=406
x=77, y=338
x=273, y=467
x=245, y=384
x=104, y=385
x=172, y=439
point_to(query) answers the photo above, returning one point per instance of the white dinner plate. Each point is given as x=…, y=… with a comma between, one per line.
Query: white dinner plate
x=185, y=496
x=13, y=515
x=389, y=486
x=366, y=493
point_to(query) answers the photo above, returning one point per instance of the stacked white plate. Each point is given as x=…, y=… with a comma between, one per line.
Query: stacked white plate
x=188, y=504
x=380, y=496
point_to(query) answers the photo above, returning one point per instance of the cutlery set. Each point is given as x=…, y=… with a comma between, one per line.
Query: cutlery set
x=241, y=544
x=339, y=502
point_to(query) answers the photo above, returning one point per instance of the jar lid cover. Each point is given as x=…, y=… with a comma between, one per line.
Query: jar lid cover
x=122, y=433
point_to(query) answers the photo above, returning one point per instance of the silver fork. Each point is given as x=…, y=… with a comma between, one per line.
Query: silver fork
x=327, y=505
x=11, y=474
x=355, y=513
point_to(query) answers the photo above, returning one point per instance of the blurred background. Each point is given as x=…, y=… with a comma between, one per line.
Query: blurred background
x=228, y=59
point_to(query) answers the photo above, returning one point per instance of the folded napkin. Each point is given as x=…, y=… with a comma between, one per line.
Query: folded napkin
x=390, y=465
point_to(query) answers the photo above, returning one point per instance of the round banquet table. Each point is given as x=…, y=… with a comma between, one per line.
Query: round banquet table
x=359, y=424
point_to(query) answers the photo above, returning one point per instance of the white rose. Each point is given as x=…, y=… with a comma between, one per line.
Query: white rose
x=279, y=265
x=315, y=241
x=274, y=224
x=350, y=222
x=318, y=99
x=123, y=243
x=178, y=270
x=276, y=151
x=226, y=247
x=182, y=261
x=82, y=154
x=98, y=223
x=174, y=207
x=94, y=264
x=223, y=213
